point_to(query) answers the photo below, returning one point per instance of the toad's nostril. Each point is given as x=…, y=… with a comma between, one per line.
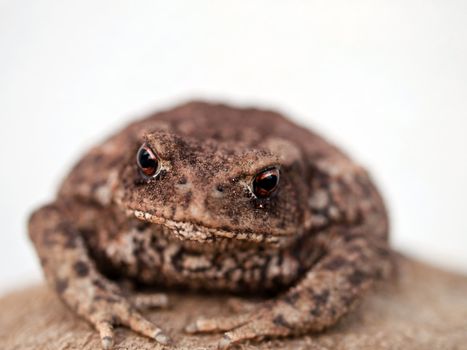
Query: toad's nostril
x=218, y=191
x=183, y=186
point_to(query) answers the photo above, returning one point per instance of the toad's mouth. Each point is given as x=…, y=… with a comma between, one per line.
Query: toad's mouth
x=189, y=231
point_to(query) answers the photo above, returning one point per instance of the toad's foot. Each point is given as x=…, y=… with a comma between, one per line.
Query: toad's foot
x=119, y=312
x=252, y=325
x=325, y=294
x=110, y=310
x=69, y=269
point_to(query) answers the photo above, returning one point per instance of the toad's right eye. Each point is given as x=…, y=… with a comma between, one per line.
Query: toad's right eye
x=266, y=182
x=148, y=161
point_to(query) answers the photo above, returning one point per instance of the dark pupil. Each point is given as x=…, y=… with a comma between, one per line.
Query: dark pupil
x=147, y=163
x=268, y=182
x=265, y=183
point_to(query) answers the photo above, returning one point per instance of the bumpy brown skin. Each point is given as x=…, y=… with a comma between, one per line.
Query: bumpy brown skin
x=319, y=242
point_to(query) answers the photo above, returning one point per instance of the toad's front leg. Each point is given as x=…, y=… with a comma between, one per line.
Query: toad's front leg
x=69, y=269
x=326, y=293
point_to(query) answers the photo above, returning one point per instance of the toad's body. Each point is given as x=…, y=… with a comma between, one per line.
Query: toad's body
x=219, y=198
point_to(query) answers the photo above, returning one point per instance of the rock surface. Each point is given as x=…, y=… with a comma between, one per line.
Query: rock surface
x=422, y=308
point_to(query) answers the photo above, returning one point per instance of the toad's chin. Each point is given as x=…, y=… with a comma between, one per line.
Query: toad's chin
x=188, y=231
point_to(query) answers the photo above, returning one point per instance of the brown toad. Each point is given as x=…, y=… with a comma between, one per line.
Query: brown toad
x=212, y=197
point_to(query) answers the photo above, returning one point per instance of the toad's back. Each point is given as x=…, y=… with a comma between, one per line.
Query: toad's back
x=248, y=126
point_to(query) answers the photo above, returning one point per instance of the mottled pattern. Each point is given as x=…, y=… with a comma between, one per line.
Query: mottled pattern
x=314, y=246
x=421, y=308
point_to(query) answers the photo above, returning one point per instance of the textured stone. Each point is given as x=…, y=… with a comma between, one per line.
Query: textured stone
x=421, y=308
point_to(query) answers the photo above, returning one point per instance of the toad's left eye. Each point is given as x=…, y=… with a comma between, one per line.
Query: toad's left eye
x=266, y=182
x=148, y=162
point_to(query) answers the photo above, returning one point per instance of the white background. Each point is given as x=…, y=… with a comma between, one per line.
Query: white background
x=386, y=80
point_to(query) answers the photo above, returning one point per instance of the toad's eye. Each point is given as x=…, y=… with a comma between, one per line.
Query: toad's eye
x=148, y=162
x=266, y=182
